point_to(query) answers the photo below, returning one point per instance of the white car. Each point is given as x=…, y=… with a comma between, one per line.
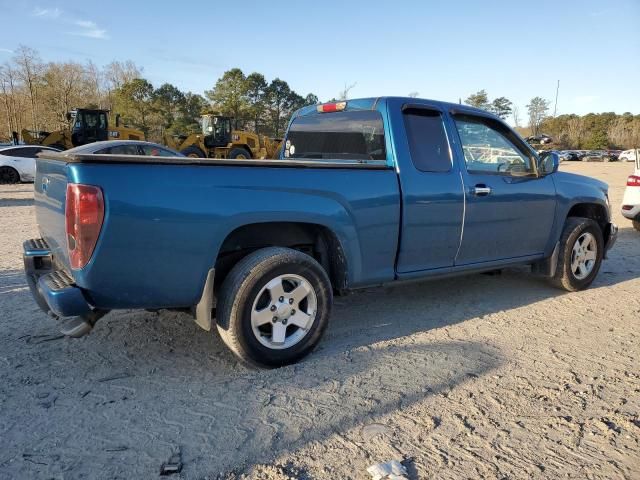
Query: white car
x=627, y=156
x=631, y=200
x=18, y=162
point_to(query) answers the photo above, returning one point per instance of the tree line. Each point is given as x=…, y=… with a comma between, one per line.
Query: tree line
x=592, y=131
x=37, y=95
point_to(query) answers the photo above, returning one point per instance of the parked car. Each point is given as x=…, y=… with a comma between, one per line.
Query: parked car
x=572, y=156
x=598, y=156
x=125, y=147
x=257, y=248
x=18, y=162
x=627, y=155
x=614, y=154
x=631, y=200
x=541, y=139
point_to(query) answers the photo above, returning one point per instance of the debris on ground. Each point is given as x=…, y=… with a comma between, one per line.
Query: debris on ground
x=391, y=470
x=174, y=465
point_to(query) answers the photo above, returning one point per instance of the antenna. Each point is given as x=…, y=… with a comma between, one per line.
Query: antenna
x=555, y=106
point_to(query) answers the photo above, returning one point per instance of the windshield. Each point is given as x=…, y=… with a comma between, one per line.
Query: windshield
x=216, y=126
x=353, y=135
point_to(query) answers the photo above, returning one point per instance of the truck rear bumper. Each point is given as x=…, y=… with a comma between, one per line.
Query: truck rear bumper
x=53, y=290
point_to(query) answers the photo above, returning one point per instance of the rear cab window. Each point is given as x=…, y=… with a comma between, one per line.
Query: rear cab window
x=428, y=143
x=348, y=135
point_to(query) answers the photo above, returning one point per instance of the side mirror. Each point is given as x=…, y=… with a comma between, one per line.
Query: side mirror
x=548, y=162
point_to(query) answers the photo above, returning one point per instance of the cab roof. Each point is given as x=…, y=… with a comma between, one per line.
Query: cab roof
x=370, y=103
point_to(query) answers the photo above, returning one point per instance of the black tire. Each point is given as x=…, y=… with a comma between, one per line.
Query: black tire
x=636, y=224
x=193, y=152
x=564, y=276
x=239, y=152
x=9, y=175
x=245, y=285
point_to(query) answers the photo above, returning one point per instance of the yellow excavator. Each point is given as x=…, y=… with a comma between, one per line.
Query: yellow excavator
x=219, y=140
x=87, y=126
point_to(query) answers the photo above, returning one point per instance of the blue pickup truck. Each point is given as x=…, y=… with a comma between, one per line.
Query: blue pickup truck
x=366, y=192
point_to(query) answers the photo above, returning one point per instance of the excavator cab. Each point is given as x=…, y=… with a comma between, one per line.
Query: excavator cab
x=88, y=126
x=216, y=131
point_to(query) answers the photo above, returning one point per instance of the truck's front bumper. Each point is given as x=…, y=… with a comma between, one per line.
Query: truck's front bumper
x=53, y=289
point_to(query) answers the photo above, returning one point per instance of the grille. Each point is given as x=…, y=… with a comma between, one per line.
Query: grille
x=58, y=280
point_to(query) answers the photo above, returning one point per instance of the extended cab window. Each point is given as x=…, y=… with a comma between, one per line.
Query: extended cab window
x=352, y=135
x=491, y=148
x=427, y=140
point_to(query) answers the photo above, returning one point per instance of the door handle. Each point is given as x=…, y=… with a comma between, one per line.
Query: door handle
x=481, y=190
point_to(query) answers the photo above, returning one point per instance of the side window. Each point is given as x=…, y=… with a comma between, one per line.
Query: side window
x=9, y=152
x=125, y=150
x=156, y=151
x=427, y=140
x=490, y=148
x=26, y=152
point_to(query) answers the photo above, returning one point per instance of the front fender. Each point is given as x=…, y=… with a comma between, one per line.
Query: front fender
x=573, y=190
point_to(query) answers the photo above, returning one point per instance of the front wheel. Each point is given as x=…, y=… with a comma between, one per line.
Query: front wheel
x=274, y=306
x=239, y=153
x=580, y=256
x=193, y=152
x=9, y=175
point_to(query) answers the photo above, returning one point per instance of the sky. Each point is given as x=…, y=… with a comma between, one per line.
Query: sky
x=444, y=50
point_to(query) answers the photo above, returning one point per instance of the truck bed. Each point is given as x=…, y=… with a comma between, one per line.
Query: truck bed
x=166, y=218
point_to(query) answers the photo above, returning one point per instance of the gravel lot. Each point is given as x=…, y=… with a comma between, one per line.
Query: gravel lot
x=474, y=377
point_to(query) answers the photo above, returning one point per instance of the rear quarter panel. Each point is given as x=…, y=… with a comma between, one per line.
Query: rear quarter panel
x=164, y=224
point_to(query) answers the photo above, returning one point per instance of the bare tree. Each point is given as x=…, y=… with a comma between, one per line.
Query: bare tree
x=516, y=116
x=10, y=100
x=64, y=89
x=30, y=70
x=538, y=108
x=344, y=93
x=576, y=131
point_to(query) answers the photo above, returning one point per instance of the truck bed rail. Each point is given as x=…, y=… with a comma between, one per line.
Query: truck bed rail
x=150, y=160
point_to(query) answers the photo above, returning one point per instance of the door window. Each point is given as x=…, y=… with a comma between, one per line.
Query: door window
x=427, y=140
x=491, y=148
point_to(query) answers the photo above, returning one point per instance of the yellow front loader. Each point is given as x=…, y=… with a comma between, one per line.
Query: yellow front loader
x=218, y=140
x=87, y=126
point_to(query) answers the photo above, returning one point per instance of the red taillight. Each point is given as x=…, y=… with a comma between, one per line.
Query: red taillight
x=633, y=181
x=332, y=107
x=84, y=213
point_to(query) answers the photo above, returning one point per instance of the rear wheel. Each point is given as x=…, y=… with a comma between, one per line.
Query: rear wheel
x=274, y=306
x=239, y=153
x=580, y=255
x=9, y=175
x=193, y=152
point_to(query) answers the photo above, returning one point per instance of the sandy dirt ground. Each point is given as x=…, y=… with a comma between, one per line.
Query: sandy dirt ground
x=474, y=377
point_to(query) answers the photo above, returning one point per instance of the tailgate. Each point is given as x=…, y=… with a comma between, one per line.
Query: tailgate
x=50, y=188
